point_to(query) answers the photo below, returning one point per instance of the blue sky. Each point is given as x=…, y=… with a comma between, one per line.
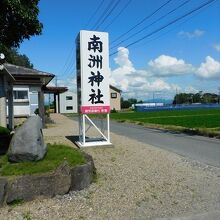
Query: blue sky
x=185, y=57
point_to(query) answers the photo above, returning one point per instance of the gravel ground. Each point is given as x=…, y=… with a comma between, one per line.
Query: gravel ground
x=135, y=181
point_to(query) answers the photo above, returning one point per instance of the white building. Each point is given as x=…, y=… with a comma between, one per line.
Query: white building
x=29, y=87
x=68, y=102
x=25, y=100
x=115, y=98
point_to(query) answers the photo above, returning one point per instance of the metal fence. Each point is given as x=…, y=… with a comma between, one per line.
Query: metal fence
x=176, y=107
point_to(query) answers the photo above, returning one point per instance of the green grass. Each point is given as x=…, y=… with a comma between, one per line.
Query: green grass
x=196, y=121
x=202, y=118
x=4, y=130
x=202, y=121
x=55, y=156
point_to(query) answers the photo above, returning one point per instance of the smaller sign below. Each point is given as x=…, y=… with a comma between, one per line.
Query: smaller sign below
x=95, y=109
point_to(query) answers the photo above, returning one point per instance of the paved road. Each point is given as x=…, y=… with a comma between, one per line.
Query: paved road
x=205, y=150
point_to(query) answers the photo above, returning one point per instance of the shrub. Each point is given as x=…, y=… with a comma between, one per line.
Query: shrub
x=5, y=138
x=47, y=113
x=113, y=110
x=4, y=130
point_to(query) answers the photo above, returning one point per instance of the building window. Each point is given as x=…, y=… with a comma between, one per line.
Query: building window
x=69, y=98
x=69, y=107
x=114, y=95
x=20, y=94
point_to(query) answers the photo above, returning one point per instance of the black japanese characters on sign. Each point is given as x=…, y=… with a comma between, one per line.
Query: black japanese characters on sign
x=95, y=78
x=95, y=44
x=95, y=61
x=96, y=97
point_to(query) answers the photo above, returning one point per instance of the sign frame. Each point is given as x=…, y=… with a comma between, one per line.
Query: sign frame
x=93, y=93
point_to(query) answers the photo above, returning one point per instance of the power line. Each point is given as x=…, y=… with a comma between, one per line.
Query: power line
x=70, y=74
x=121, y=11
x=68, y=60
x=96, y=11
x=70, y=66
x=154, y=22
x=71, y=71
x=168, y=24
x=106, y=16
x=56, y=79
x=103, y=14
x=172, y=29
x=144, y=19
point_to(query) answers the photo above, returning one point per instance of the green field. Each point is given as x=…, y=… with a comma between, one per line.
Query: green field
x=199, y=118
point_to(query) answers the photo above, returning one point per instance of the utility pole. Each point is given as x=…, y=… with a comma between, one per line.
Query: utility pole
x=56, y=81
x=176, y=96
x=218, y=95
x=3, y=108
x=49, y=101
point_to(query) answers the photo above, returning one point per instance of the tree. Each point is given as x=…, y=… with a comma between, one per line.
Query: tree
x=13, y=57
x=18, y=21
x=125, y=104
x=189, y=98
x=182, y=98
x=140, y=102
x=210, y=98
x=197, y=97
x=132, y=101
x=128, y=103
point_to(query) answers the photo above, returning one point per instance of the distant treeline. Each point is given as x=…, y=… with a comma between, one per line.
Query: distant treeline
x=128, y=103
x=200, y=97
x=181, y=98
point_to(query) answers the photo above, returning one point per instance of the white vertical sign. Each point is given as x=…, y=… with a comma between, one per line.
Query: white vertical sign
x=94, y=72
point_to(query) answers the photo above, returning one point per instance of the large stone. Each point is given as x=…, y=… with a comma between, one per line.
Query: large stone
x=3, y=185
x=82, y=176
x=27, y=144
x=59, y=182
x=48, y=185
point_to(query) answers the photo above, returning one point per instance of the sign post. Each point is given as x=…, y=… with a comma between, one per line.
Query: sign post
x=92, y=60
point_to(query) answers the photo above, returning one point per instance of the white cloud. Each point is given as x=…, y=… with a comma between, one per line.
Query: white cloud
x=210, y=69
x=194, y=34
x=190, y=89
x=119, y=77
x=217, y=47
x=158, y=85
x=169, y=66
x=135, y=83
x=122, y=59
x=142, y=83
